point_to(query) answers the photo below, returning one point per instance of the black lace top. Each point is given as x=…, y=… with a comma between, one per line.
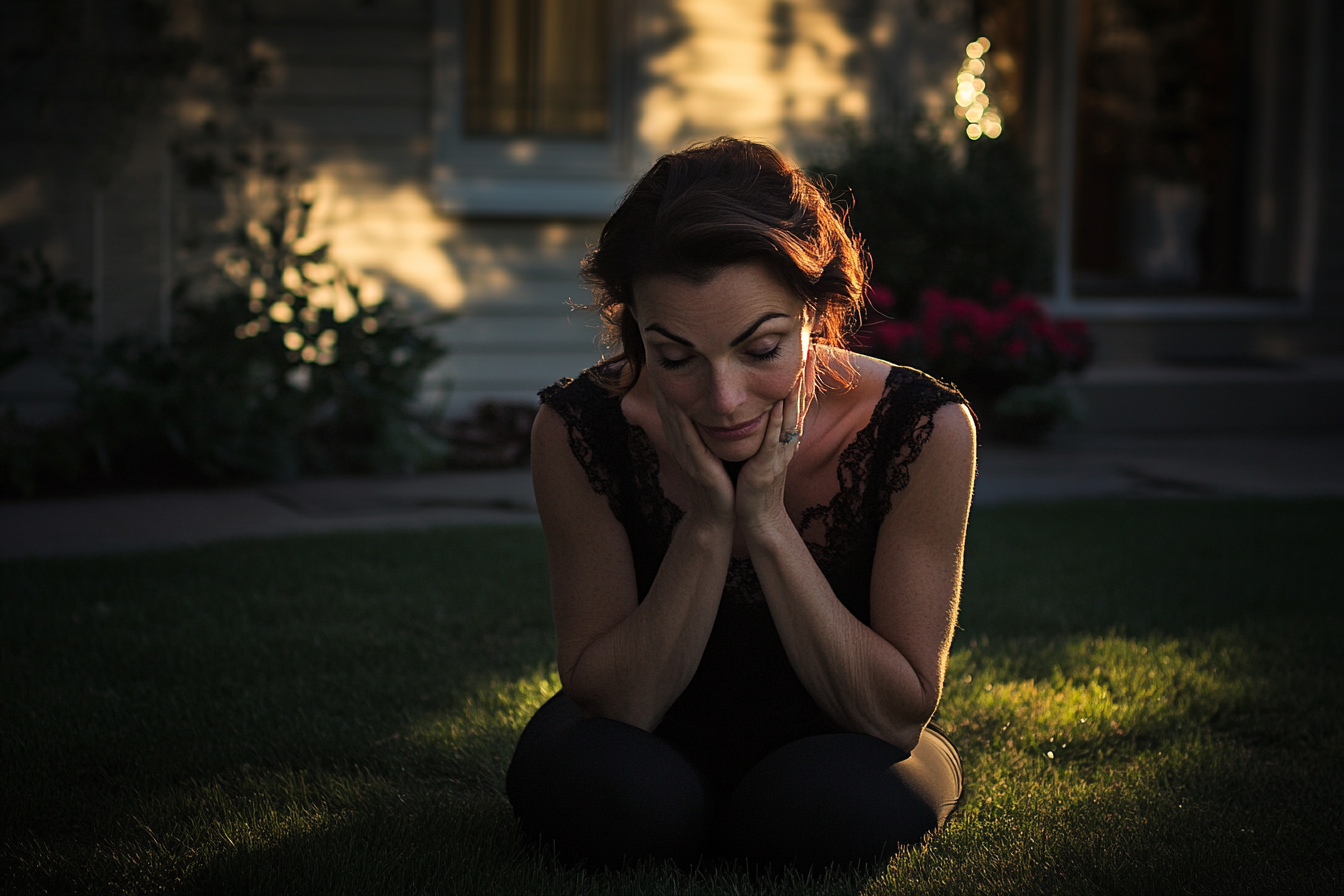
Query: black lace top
x=745, y=699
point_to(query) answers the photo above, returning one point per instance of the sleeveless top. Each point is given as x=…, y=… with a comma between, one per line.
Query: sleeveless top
x=745, y=700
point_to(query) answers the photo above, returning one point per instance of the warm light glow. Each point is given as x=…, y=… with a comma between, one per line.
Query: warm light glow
x=370, y=292
x=282, y=312
x=308, y=354
x=319, y=272
x=972, y=103
x=731, y=73
x=391, y=237
x=293, y=341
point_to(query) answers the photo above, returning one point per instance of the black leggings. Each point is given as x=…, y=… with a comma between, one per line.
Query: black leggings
x=605, y=791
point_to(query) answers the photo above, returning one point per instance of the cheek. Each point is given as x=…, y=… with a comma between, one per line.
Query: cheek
x=681, y=390
x=776, y=383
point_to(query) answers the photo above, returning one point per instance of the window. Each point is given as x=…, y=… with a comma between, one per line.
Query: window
x=531, y=105
x=536, y=68
x=1186, y=126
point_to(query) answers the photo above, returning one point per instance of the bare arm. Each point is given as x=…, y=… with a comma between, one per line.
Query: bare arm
x=886, y=679
x=618, y=657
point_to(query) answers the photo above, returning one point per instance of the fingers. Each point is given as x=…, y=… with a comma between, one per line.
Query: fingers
x=793, y=409
x=689, y=449
x=810, y=381
x=777, y=425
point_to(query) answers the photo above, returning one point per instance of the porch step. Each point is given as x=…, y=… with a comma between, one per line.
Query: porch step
x=1305, y=396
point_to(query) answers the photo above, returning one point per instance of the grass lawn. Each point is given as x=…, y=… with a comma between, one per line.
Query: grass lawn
x=1146, y=695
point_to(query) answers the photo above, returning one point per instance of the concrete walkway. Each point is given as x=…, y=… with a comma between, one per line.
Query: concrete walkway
x=1067, y=467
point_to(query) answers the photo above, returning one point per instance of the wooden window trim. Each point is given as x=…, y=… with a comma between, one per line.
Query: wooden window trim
x=1230, y=307
x=527, y=176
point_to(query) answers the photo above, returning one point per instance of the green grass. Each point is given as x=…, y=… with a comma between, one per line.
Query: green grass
x=1146, y=696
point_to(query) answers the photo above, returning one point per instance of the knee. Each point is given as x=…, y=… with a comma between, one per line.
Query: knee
x=840, y=797
x=604, y=791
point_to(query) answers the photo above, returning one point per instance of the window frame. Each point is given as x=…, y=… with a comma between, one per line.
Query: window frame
x=526, y=176
x=1064, y=16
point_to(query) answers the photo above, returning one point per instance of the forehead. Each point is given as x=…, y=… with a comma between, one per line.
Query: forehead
x=735, y=296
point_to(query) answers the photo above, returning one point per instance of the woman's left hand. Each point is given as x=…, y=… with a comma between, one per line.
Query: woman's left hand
x=759, y=499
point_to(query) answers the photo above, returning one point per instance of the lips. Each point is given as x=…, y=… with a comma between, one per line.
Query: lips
x=733, y=433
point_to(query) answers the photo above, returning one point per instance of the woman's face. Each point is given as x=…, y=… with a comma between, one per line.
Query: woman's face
x=725, y=351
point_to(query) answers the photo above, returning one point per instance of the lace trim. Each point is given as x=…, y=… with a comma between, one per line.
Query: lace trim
x=568, y=399
x=610, y=450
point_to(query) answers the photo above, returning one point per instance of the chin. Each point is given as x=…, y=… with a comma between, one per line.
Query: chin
x=736, y=451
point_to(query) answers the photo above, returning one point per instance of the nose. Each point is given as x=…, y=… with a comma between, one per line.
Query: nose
x=726, y=391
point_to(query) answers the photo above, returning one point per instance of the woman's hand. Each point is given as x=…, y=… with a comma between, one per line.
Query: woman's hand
x=759, y=500
x=711, y=487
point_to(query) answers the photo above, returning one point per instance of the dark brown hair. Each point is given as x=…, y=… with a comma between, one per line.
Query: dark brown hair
x=717, y=204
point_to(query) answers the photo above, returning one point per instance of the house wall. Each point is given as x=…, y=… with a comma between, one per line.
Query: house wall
x=352, y=97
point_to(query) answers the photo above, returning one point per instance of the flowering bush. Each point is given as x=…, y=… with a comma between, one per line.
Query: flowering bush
x=282, y=367
x=985, y=348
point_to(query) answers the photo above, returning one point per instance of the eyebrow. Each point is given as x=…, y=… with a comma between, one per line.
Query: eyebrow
x=743, y=337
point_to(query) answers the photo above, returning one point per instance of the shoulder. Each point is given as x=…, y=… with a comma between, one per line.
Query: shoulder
x=593, y=388
x=895, y=397
x=579, y=433
x=918, y=427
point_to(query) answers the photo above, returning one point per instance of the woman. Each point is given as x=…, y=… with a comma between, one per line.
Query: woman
x=754, y=540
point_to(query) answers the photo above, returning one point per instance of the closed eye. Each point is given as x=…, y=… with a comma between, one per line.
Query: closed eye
x=768, y=355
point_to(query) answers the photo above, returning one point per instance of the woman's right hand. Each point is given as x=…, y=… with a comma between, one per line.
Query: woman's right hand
x=712, y=493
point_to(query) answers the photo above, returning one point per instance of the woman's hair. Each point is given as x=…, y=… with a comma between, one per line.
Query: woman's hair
x=718, y=204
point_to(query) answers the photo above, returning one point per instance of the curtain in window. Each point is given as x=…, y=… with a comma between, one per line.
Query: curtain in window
x=536, y=68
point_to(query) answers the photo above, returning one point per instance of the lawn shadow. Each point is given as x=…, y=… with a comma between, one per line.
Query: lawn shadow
x=336, y=713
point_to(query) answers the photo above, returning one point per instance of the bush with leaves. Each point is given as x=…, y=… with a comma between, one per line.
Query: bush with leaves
x=930, y=223
x=288, y=368
x=986, y=348
x=45, y=318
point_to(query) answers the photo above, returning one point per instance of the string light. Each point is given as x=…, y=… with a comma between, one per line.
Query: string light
x=971, y=102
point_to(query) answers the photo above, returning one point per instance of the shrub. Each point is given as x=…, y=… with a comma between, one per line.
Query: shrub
x=284, y=368
x=284, y=371
x=931, y=224
x=987, y=349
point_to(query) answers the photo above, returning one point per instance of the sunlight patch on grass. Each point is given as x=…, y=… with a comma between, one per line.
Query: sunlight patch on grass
x=166, y=836
x=477, y=737
x=336, y=714
x=1089, y=761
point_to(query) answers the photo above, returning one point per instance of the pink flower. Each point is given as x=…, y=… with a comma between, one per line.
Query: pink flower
x=1023, y=305
x=880, y=297
x=893, y=334
x=933, y=303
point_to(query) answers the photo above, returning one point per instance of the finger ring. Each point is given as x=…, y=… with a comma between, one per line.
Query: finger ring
x=792, y=435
